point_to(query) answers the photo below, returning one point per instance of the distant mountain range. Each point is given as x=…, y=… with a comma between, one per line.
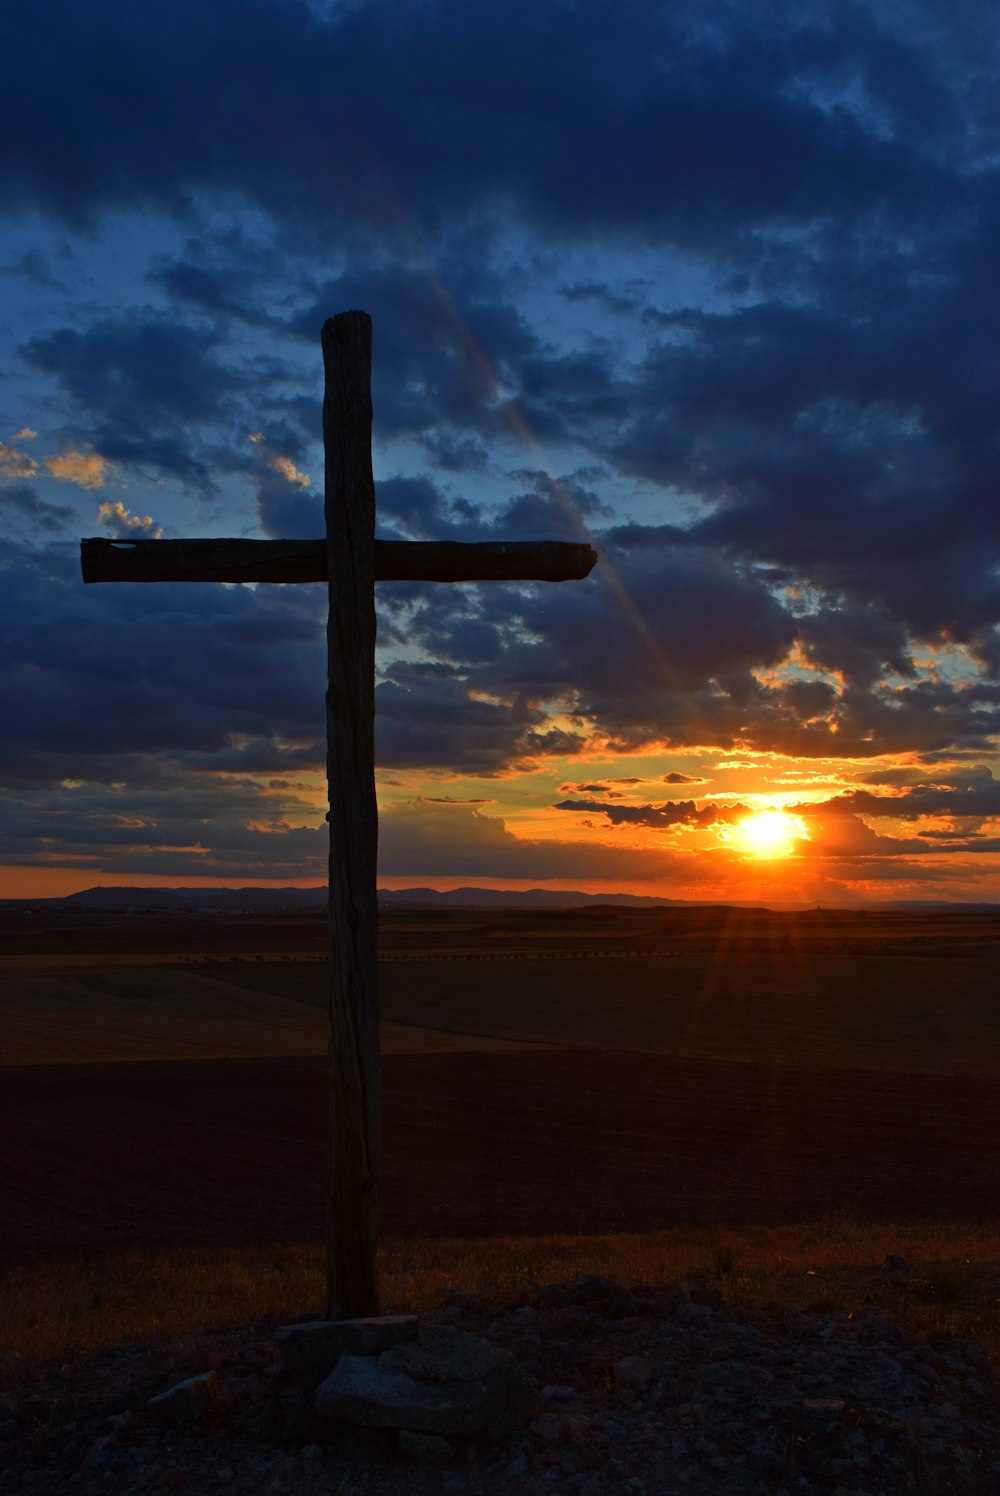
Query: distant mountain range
x=228, y=900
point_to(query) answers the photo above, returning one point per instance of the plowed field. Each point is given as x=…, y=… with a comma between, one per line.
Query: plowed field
x=231, y=1152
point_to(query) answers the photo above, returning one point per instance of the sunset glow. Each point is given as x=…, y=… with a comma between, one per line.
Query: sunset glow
x=769, y=833
x=780, y=684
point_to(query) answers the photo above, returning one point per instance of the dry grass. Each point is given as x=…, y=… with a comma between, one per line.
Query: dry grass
x=74, y=1303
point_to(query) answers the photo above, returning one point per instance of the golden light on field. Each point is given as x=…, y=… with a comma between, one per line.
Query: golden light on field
x=768, y=833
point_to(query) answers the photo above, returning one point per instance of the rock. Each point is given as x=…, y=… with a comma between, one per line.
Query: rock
x=310, y=1352
x=591, y=1291
x=185, y=1402
x=466, y=1299
x=169, y=1476
x=425, y=1446
x=443, y=1382
x=700, y=1293
x=560, y=1394
x=634, y=1372
x=441, y=1354
x=694, y=1314
x=547, y=1427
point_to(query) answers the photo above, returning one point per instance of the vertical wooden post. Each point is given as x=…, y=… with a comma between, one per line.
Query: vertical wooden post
x=355, y=1121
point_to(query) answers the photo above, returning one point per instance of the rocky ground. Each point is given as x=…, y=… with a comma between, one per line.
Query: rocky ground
x=649, y=1391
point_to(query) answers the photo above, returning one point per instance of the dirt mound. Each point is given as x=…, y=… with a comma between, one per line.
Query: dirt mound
x=656, y=1388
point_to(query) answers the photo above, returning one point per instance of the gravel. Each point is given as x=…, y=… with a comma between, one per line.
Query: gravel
x=651, y=1391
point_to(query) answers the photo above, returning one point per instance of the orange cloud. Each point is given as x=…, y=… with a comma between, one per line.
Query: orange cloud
x=117, y=518
x=16, y=464
x=286, y=469
x=85, y=469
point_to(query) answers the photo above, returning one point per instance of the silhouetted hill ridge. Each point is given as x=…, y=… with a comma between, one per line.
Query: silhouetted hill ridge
x=232, y=900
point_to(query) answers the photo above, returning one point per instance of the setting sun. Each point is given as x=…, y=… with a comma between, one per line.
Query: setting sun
x=769, y=833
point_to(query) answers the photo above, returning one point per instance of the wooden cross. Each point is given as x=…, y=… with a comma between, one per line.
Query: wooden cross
x=351, y=560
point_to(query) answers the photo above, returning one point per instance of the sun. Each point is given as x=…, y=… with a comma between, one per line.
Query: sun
x=769, y=833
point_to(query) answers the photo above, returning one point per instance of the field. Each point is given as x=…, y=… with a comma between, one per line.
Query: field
x=854, y=991
x=691, y=1071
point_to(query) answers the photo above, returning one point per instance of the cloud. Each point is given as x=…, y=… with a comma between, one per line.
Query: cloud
x=116, y=518
x=285, y=468
x=662, y=817
x=173, y=825
x=33, y=267
x=287, y=506
x=15, y=463
x=972, y=794
x=745, y=301
x=351, y=90
x=422, y=838
x=85, y=469
x=144, y=387
x=26, y=504
x=107, y=683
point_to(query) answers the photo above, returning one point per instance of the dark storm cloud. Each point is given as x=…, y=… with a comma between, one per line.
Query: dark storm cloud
x=217, y=825
x=659, y=647
x=138, y=384
x=23, y=502
x=836, y=421
x=662, y=817
x=33, y=266
x=94, y=677
x=859, y=644
x=819, y=415
x=320, y=117
x=845, y=836
x=974, y=795
x=135, y=716
x=425, y=717
x=423, y=839
x=455, y=454
x=443, y=358
x=543, y=507
x=230, y=275
x=848, y=439
x=289, y=513
x=664, y=643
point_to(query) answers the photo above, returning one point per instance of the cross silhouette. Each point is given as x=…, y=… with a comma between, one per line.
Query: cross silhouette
x=351, y=560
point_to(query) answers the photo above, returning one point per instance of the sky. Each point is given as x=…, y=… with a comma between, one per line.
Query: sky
x=711, y=285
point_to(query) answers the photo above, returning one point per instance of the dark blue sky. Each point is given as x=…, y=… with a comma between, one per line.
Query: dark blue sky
x=714, y=284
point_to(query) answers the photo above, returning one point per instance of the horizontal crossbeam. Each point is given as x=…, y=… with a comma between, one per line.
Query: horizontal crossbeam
x=106, y=560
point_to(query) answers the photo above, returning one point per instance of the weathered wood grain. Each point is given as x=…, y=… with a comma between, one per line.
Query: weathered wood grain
x=106, y=560
x=355, y=1121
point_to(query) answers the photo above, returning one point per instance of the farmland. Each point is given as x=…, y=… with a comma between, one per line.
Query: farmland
x=567, y=1075
x=558, y=1072
x=882, y=992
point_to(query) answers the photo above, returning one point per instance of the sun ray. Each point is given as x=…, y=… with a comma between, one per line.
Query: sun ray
x=767, y=833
